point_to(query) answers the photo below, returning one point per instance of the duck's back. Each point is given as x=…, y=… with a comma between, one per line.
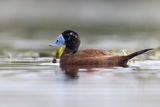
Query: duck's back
x=91, y=53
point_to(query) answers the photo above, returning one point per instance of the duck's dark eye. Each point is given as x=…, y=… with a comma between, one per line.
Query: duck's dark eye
x=57, y=41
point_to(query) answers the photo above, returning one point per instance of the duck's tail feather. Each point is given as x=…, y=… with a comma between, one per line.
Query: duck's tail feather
x=130, y=56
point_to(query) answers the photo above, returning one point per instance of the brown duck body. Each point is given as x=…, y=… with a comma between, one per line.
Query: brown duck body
x=89, y=57
x=92, y=57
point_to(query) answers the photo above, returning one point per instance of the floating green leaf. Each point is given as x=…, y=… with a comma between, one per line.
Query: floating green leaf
x=59, y=51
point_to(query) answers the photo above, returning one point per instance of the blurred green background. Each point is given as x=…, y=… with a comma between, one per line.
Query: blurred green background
x=107, y=24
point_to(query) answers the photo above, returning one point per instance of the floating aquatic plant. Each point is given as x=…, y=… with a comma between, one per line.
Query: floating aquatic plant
x=125, y=53
x=59, y=52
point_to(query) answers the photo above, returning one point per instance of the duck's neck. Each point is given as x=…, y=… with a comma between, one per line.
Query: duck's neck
x=72, y=47
x=70, y=50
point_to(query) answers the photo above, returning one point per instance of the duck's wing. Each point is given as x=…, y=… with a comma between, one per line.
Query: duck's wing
x=92, y=53
x=86, y=57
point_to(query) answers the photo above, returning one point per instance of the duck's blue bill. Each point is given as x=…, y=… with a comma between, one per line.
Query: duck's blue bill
x=59, y=41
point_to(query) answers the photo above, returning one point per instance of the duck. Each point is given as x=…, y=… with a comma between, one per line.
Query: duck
x=72, y=56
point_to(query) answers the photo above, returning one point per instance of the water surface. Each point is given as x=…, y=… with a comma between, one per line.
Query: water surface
x=44, y=84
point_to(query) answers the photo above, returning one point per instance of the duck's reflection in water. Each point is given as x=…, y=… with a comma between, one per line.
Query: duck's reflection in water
x=70, y=71
x=73, y=70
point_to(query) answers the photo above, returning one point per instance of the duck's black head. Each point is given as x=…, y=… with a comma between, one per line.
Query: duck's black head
x=70, y=39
